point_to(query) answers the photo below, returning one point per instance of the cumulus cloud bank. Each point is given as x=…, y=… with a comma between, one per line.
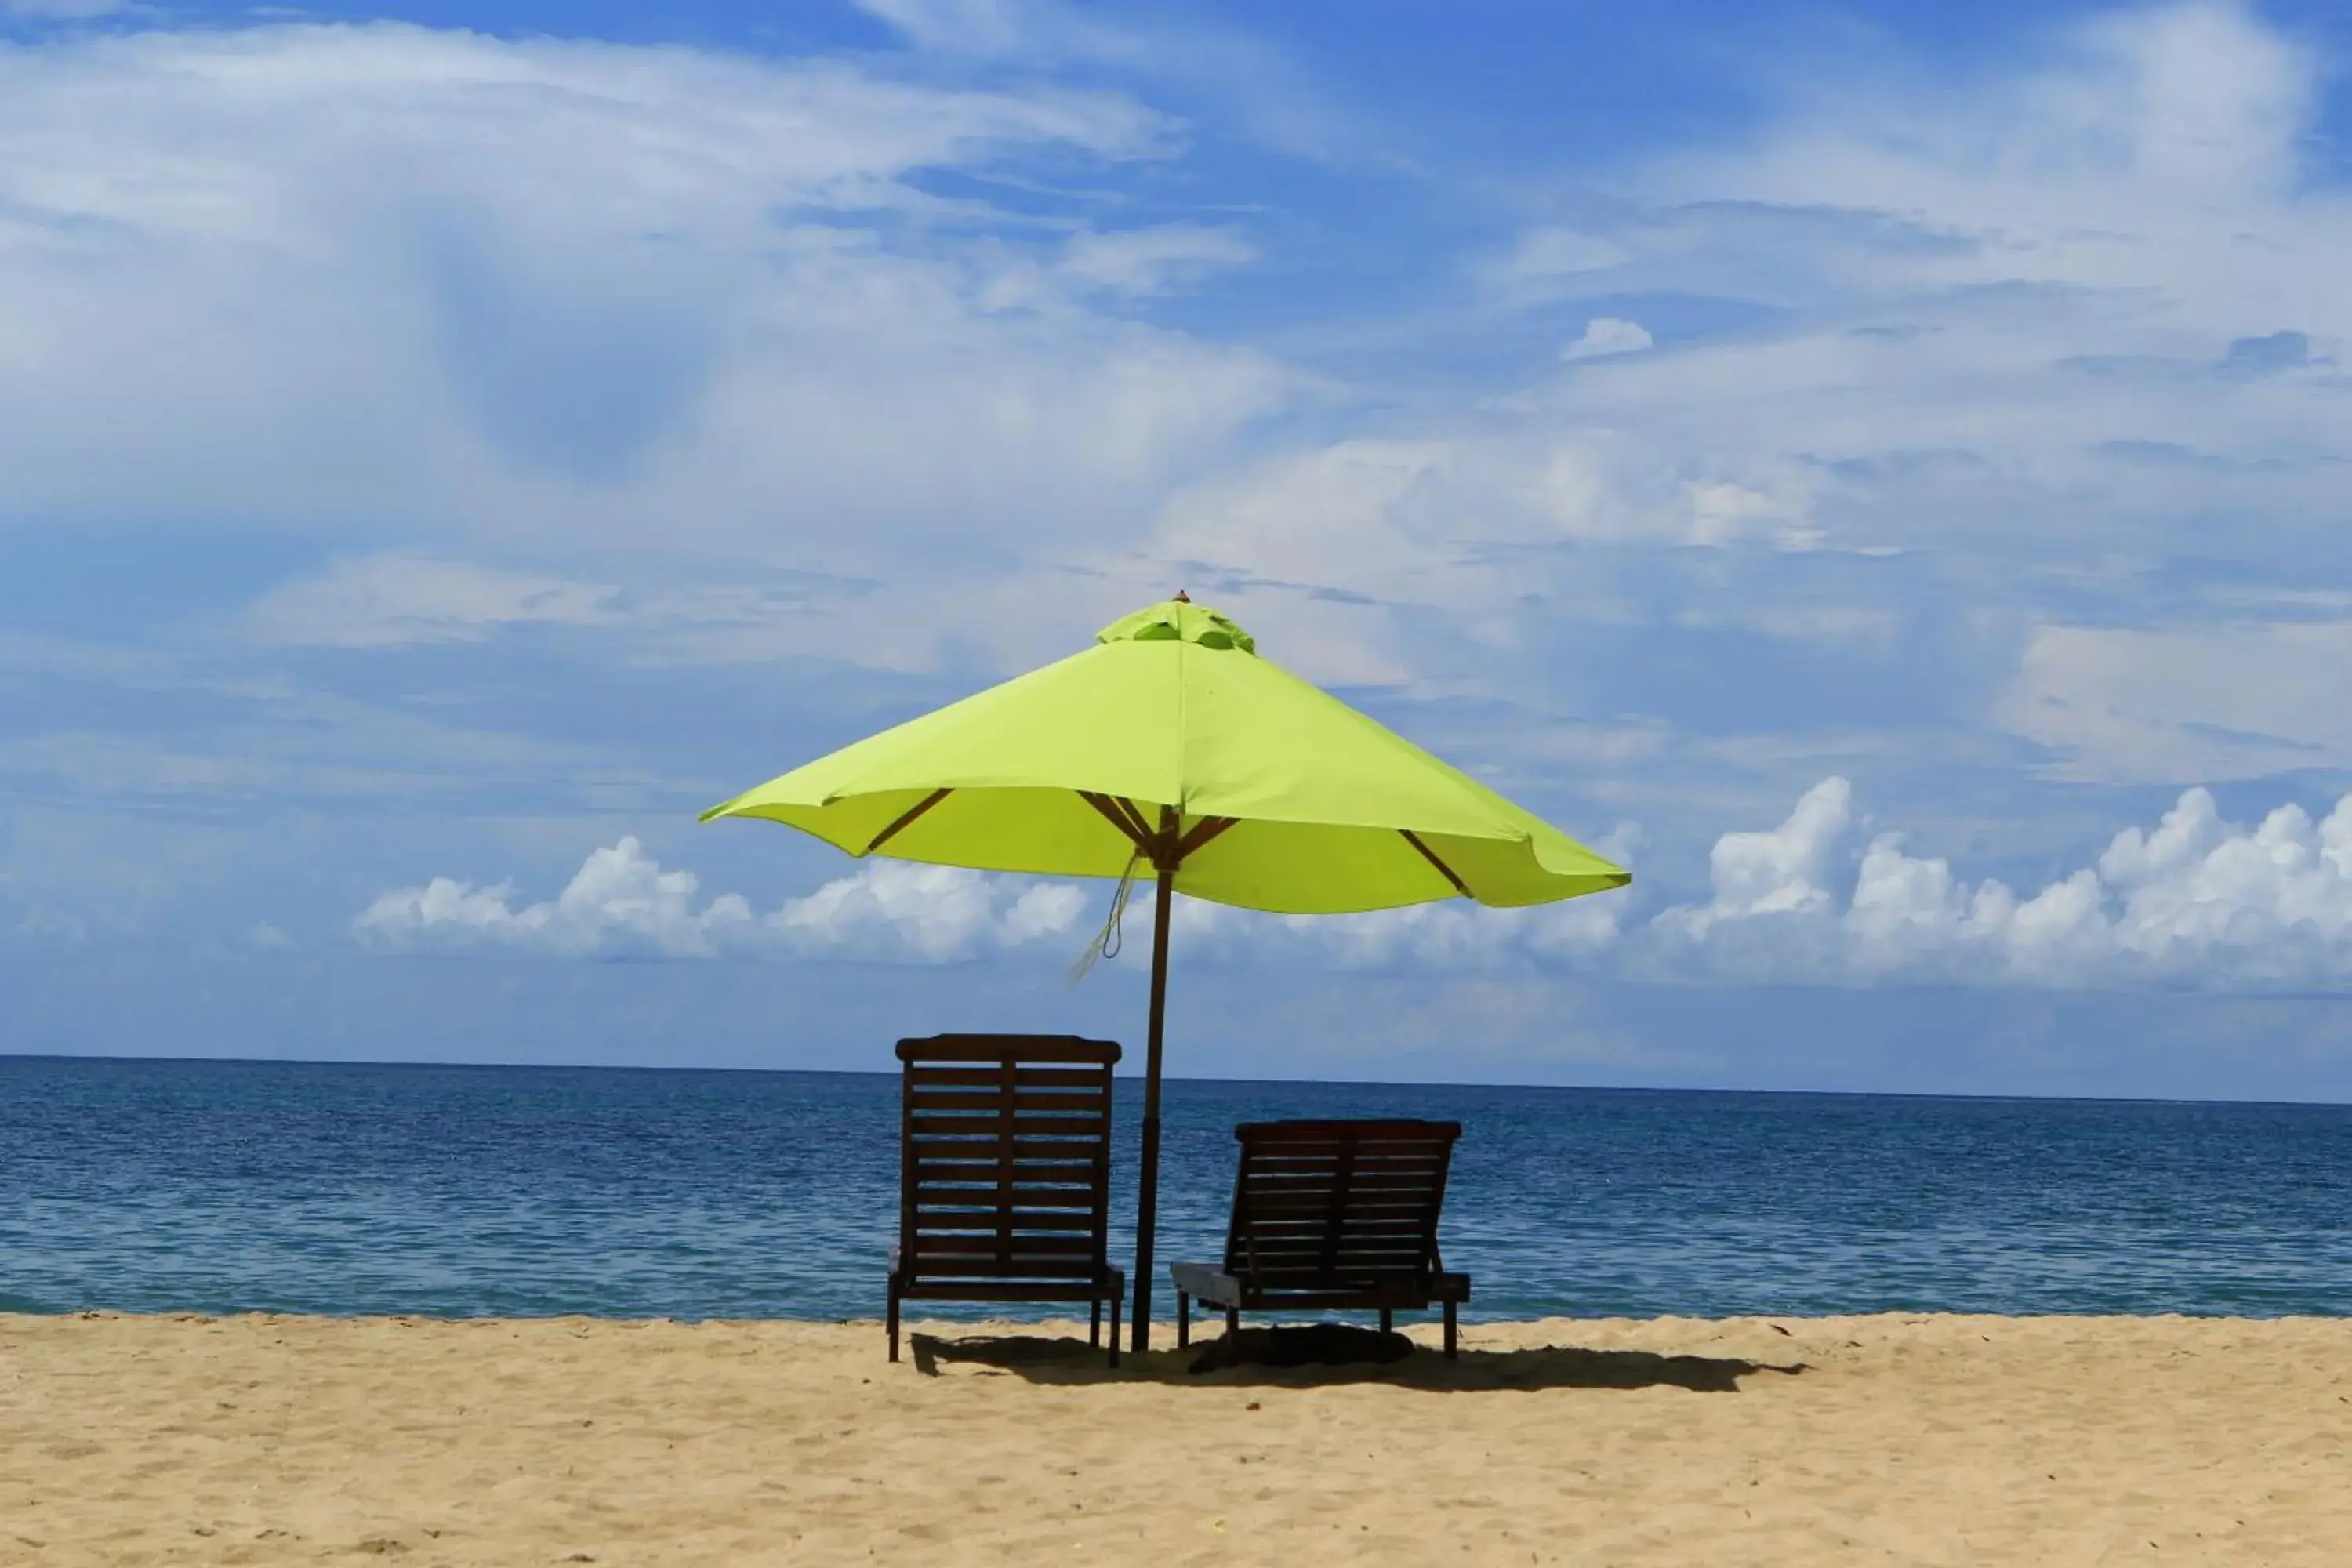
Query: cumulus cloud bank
x=2195, y=900
x=621, y=902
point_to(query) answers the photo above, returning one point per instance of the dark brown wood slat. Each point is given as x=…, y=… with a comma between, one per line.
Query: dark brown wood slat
x=1021, y=1049
x=1041, y=1153
x=1072, y=1289
x=993, y=1102
x=1059, y=1185
x=1359, y=1210
x=1061, y=1159
x=925, y=1077
x=975, y=1116
x=934, y=1121
x=1336, y=1149
x=1000, y=1173
x=932, y=1124
x=1300, y=1162
x=1071, y=1181
x=1277, y=1187
x=1323, y=1181
x=932, y=1222
x=946, y=1243
x=1076, y=1175
x=985, y=1272
x=1008, y=1201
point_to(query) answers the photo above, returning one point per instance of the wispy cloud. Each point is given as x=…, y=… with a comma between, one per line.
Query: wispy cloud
x=1605, y=335
x=543, y=290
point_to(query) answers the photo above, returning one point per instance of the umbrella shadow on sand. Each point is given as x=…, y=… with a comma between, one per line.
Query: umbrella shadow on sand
x=1281, y=1358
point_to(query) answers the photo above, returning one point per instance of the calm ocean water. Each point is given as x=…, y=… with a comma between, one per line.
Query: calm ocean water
x=227, y=1186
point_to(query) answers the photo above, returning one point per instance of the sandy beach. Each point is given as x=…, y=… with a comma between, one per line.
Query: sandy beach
x=1878, y=1439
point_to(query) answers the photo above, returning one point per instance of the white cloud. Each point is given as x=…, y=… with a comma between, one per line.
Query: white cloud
x=544, y=292
x=935, y=912
x=2156, y=703
x=1318, y=551
x=2195, y=901
x=2068, y=316
x=619, y=899
x=2043, y=273
x=65, y=10
x=622, y=900
x=1251, y=82
x=1452, y=936
x=1605, y=335
x=1780, y=872
x=1152, y=261
x=1546, y=261
x=397, y=600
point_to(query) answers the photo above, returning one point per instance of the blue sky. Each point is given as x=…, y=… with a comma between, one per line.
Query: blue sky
x=1879, y=470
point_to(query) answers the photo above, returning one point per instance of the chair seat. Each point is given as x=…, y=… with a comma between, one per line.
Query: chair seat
x=1206, y=1283
x=1109, y=1284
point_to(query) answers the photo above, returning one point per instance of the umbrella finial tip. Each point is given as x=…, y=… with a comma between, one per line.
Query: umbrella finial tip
x=1182, y=597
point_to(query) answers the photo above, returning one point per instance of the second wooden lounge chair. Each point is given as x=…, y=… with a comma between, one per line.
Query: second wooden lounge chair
x=1004, y=1174
x=1339, y=1214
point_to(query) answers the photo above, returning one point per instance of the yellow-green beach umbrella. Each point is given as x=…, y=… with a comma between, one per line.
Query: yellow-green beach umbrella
x=1171, y=745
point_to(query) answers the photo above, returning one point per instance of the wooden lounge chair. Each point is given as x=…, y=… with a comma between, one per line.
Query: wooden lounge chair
x=1004, y=1174
x=1333, y=1215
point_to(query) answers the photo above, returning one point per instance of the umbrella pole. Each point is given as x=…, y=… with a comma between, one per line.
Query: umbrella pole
x=1146, y=1197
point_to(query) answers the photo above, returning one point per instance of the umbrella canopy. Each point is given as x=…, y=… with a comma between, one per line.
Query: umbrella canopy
x=1171, y=745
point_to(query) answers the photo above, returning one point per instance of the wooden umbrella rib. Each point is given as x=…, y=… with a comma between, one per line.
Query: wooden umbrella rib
x=1142, y=825
x=906, y=820
x=1121, y=819
x=1201, y=832
x=1430, y=855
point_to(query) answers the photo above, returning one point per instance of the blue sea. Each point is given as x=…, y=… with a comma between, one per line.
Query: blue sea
x=214, y=1187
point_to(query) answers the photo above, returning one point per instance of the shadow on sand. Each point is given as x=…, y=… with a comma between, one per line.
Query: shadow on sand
x=1048, y=1359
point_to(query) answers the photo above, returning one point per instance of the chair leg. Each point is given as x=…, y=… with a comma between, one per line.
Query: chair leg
x=1114, y=1328
x=894, y=1319
x=1184, y=1320
x=1449, y=1331
x=1388, y=1320
x=1233, y=1322
x=1094, y=1322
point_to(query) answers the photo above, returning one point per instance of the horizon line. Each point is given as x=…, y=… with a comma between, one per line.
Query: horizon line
x=13, y=1056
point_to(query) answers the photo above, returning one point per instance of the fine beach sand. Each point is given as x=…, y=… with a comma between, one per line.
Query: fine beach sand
x=1880, y=1439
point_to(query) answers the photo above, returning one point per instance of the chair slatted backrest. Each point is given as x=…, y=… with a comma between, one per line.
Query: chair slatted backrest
x=1339, y=1206
x=1006, y=1152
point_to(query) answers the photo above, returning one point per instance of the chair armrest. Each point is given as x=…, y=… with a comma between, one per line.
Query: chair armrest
x=1206, y=1282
